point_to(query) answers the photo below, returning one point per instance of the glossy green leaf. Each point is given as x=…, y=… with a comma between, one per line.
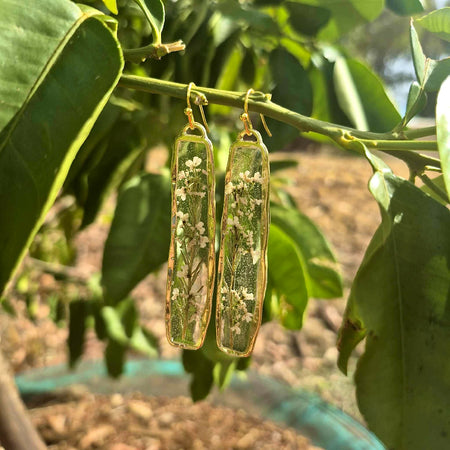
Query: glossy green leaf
x=320, y=267
x=436, y=189
x=122, y=147
x=111, y=5
x=201, y=368
x=292, y=89
x=154, y=13
x=438, y=22
x=78, y=312
x=307, y=19
x=138, y=241
x=429, y=72
x=403, y=377
x=223, y=372
x=60, y=56
x=115, y=358
x=405, y=7
x=286, y=277
x=362, y=96
x=417, y=100
x=348, y=96
x=443, y=129
x=345, y=15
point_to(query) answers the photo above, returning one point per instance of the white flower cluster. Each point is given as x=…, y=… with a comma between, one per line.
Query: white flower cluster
x=237, y=304
x=188, y=286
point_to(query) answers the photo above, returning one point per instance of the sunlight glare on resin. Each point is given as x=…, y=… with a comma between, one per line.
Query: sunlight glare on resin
x=191, y=266
x=242, y=259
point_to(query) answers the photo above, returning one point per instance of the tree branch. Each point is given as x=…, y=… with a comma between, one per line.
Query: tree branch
x=16, y=430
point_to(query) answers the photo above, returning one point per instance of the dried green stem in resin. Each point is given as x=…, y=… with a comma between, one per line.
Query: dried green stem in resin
x=190, y=279
x=242, y=259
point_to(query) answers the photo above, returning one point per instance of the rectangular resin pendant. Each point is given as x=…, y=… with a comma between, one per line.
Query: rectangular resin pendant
x=191, y=266
x=242, y=261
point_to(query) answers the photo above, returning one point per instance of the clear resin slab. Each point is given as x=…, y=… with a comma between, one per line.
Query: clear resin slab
x=242, y=259
x=191, y=267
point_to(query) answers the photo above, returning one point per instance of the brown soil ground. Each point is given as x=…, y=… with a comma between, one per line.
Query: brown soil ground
x=330, y=188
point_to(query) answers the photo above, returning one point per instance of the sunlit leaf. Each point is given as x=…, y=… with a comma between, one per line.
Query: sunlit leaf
x=320, y=267
x=138, y=241
x=111, y=5
x=438, y=22
x=443, y=129
x=155, y=15
x=362, y=96
x=287, y=278
x=402, y=378
x=56, y=75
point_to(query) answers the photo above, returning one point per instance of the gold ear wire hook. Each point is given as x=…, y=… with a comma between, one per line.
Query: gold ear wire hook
x=188, y=111
x=245, y=117
x=199, y=101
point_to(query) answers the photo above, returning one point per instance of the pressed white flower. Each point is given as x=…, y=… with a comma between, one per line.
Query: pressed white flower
x=257, y=178
x=181, y=192
x=245, y=176
x=236, y=329
x=194, y=162
x=200, y=227
x=224, y=290
x=258, y=201
x=248, y=317
x=181, y=175
x=183, y=273
x=184, y=217
x=256, y=254
x=201, y=194
x=229, y=188
x=203, y=241
x=234, y=222
x=247, y=295
x=175, y=293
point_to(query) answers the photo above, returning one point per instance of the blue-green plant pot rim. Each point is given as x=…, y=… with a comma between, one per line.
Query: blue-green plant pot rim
x=324, y=424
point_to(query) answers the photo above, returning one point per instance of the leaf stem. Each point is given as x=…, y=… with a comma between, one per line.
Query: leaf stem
x=154, y=51
x=389, y=142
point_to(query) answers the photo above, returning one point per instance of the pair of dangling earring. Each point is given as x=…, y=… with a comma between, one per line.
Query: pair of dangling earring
x=242, y=267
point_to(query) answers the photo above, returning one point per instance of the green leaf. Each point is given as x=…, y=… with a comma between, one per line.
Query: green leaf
x=111, y=5
x=417, y=100
x=155, y=15
x=436, y=189
x=320, y=267
x=307, y=19
x=287, y=278
x=405, y=7
x=60, y=56
x=430, y=73
x=78, y=312
x=7, y=306
x=223, y=372
x=292, y=89
x=115, y=329
x=362, y=96
x=443, y=129
x=438, y=22
x=122, y=147
x=201, y=368
x=138, y=241
x=403, y=379
x=345, y=15
x=115, y=358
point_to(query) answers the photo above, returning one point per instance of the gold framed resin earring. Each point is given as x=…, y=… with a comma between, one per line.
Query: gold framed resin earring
x=191, y=266
x=242, y=268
